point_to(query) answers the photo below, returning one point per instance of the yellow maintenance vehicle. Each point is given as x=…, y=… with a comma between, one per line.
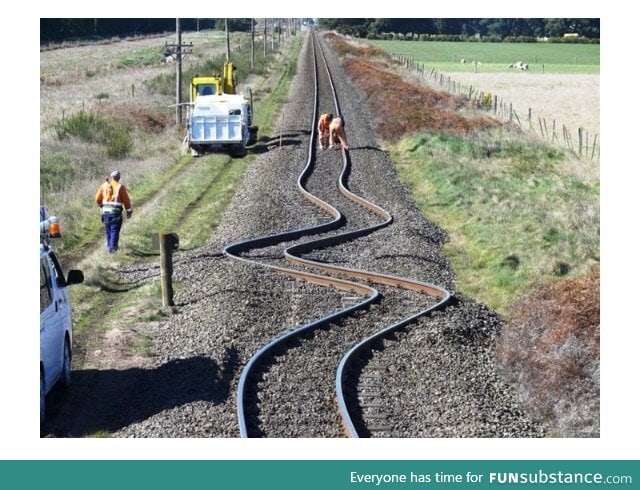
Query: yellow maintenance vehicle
x=218, y=117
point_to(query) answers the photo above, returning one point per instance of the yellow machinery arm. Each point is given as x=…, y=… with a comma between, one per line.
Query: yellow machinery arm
x=215, y=84
x=229, y=78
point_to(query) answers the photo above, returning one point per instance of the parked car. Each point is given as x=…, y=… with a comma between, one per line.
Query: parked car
x=56, y=332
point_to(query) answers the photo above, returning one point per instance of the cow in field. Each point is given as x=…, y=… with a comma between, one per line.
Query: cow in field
x=519, y=65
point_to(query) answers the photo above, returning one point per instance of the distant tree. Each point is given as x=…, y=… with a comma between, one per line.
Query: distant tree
x=378, y=26
x=234, y=24
x=417, y=26
x=66, y=29
x=556, y=27
x=587, y=27
x=351, y=27
x=491, y=27
x=536, y=27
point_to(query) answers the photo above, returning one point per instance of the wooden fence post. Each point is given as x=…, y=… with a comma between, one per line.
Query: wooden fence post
x=282, y=129
x=580, y=141
x=515, y=114
x=586, y=143
x=167, y=242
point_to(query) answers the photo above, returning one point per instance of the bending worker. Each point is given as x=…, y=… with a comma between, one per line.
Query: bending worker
x=113, y=199
x=336, y=131
x=323, y=130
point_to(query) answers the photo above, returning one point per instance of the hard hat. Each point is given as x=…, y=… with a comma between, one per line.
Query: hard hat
x=115, y=174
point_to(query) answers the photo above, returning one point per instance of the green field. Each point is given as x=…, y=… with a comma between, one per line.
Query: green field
x=495, y=57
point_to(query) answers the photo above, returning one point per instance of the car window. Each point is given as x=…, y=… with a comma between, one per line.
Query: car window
x=45, y=284
x=57, y=270
x=205, y=89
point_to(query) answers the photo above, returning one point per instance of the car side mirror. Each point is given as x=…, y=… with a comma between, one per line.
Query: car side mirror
x=75, y=277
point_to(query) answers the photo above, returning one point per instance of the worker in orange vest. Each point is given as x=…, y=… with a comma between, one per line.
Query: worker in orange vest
x=323, y=130
x=113, y=200
x=336, y=131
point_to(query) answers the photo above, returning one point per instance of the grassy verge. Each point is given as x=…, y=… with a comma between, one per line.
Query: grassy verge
x=516, y=214
x=70, y=174
x=113, y=134
x=519, y=212
x=208, y=185
x=523, y=225
x=139, y=57
x=201, y=184
x=187, y=197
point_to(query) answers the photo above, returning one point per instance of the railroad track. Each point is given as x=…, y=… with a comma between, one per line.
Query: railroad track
x=287, y=310
x=286, y=252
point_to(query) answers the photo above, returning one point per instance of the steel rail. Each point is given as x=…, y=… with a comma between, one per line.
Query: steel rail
x=236, y=249
x=294, y=254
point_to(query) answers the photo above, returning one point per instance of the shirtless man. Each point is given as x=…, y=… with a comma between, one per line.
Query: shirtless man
x=336, y=130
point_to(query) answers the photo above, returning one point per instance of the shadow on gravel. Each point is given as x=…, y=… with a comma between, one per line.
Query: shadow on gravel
x=266, y=143
x=374, y=148
x=106, y=400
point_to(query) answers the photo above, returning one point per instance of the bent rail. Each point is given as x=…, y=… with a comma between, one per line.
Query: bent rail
x=294, y=254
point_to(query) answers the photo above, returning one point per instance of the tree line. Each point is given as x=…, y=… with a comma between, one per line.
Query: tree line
x=494, y=29
x=56, y=30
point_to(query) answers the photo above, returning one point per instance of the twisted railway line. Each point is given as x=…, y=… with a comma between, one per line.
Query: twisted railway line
x=322, y=342
x=309, y=314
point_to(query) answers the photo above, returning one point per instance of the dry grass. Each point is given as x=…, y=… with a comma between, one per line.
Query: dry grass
x=77, y=94
x=144, y=118
x=570, y=99
x=75, y=78
x=552, y=349
x=401, y=108
x=352, y=47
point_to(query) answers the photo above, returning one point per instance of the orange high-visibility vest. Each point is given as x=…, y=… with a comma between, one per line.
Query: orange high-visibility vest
x=323, y=123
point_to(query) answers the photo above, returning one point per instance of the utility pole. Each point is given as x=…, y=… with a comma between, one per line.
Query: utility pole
x=264, y=50
x=253, y=40
x=226, y=31
x=179, y=52
x=178, y=74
